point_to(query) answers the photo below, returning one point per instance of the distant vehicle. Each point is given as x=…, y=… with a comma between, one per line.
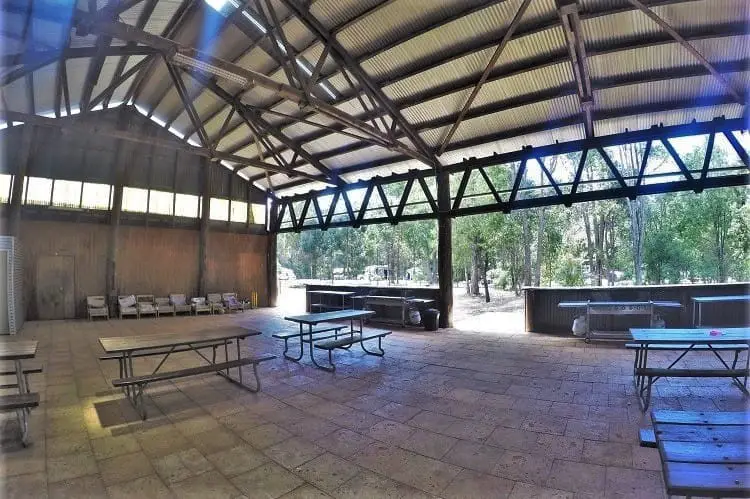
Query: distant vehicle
x=285, y=274
x=338, y=273
x=375, y=273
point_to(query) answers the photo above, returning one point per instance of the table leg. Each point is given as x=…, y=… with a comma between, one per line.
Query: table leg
x=700, y=314
x=239, y=356
x=226, y=353
x=22, y=414
x=736, y=381
x=312, y=355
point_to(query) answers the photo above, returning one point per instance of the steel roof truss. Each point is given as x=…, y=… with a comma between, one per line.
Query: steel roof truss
x=318, y=213
x=303, y=214
x=363, y=208
x=516, y=184
x=462, y=188
x=106, y=94
x=577, y=178
x=738, y=148
x=430, y=197
x=404, y=198
x=612, y=168
x=332, y=207
x=187, y=102
x=491, y=64
x=677, y=159
x=642, y=169
x=345, y=60
x=547, y=174
x=386, y=203
x=489, y=183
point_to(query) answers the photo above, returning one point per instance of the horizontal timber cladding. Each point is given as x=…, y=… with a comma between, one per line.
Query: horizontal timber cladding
x=150, y=260
x=72, y=155
x=501, y=183
x=544, y=316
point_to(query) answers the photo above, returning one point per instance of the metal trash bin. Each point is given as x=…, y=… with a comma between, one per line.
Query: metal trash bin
x=430, y=319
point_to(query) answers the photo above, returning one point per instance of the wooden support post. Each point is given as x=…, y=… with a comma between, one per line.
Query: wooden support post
x=16, y=195
x=204, y=223
x=122, y=158
x=445, y=249
x=271, y=272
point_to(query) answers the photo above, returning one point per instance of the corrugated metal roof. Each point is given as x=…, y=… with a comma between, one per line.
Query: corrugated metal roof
x=426, y=58
x=536, y=46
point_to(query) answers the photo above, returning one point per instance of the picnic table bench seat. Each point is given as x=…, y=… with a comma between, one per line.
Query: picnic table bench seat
x=684, y=346
x=16, y=401
x=22, y=403
x=347, y=341
x=9, y=371
x=315, y=333
x=703, y=454
x=140, y=382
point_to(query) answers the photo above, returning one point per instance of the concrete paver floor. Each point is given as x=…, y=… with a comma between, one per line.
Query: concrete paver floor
x=453, y=414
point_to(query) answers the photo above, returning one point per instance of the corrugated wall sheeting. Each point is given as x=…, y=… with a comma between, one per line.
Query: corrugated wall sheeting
x=149, y=260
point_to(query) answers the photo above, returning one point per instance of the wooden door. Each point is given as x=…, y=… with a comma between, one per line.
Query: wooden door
x=55, y=287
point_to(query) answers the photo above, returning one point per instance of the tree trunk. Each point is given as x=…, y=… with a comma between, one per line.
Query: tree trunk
x=599, y=228
x=475, y=268
x=589, y=242
x=636, y=210
x=484, y=272
x=526, y=250
x=466, y=276
x=539, y=247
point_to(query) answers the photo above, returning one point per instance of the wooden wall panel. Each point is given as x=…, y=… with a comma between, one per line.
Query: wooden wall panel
x=86, y=243
x=149, y=260
x=157, y=261
x=237, y=262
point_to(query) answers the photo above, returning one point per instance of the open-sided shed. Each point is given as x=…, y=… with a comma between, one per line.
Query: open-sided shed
x=309, y=107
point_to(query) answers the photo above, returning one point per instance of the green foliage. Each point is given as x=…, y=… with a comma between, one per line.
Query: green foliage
x=568, y=271
x=699, y=237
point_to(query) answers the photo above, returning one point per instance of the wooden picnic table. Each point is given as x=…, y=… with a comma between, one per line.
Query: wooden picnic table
x=323, y=292
x=16, y=351
x=686, y=341
x=612, y=308
x=125, y=348
x=704, y=454
x=699, y=301
x=312, y=320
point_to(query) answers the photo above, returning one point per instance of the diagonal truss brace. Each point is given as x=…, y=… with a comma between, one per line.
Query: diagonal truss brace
x=690, y=48
x=347, y=62
x=214, y=65
x=486, y=73
x=254, y=117
x=630, y=186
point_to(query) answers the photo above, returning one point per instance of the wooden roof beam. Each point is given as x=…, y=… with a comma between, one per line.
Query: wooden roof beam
x=346, y=61
x=491, y=64
x=568, y=11
x=689, y=47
